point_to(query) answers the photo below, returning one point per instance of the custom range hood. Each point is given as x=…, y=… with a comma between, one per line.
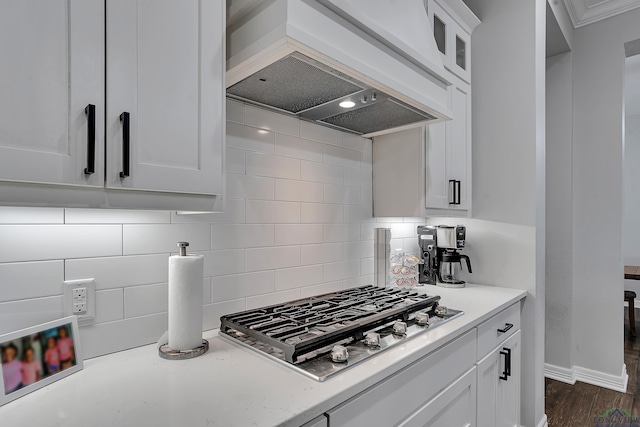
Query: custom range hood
x=367, y=67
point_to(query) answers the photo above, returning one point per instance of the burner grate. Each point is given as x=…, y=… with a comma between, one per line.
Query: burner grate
x=307, y=325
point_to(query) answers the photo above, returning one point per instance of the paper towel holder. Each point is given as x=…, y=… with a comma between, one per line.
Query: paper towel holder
x=168, y=353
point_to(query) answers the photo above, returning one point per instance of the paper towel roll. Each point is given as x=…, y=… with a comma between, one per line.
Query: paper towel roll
x=185, y=301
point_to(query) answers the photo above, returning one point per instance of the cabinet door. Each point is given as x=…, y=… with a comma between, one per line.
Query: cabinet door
x=52, y=67
x=165, y=68
x=437, y=184
x=499, y=398
x=459, y=163
x=460, y=43
x=454, y=407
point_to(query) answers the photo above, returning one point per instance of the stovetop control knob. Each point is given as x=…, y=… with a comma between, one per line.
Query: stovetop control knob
x=422, y=318
x=441, y=310
x=339, y=354
x=372, y=339
x=399, y=328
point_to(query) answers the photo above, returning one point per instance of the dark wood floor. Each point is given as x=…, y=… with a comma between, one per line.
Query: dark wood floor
x=577, y=405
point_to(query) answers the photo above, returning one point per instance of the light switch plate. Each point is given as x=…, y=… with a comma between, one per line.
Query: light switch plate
x=80, y=300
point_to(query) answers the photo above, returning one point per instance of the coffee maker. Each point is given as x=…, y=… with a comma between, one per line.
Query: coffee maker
x=439, y=248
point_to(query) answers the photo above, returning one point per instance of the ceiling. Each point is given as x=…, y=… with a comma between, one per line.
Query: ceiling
x=583, y=12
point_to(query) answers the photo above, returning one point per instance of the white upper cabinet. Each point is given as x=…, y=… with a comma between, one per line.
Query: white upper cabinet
x=52, y=70
x=452, y=24
x=162, y=79
x=162, y=102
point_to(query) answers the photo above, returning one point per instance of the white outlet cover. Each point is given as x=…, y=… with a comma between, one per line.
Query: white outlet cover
x=90, y=285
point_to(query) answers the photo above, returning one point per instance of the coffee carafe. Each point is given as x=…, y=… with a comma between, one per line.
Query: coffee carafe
x=450, y=239
x=451, y=267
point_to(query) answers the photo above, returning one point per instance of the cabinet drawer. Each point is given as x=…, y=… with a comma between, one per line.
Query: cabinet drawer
x=393, y=399
x=490, y=332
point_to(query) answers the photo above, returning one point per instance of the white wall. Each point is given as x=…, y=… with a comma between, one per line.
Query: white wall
x=508, y=170
x=598, y=80
x=559, y=215
x=298, y=222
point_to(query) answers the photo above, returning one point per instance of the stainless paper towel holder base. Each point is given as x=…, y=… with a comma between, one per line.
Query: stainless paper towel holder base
x=170, y=354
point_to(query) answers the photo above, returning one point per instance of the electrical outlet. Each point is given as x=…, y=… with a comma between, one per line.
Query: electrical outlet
x=80, y=300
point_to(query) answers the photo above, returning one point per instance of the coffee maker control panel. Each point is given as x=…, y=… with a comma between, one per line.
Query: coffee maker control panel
x=460, y=236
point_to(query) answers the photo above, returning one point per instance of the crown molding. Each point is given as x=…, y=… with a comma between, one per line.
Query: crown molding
x=584, y=12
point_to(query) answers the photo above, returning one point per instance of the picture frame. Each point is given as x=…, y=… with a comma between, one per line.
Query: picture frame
x=37, y=356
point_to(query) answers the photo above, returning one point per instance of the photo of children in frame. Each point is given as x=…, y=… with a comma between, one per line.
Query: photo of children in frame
x=31, y=358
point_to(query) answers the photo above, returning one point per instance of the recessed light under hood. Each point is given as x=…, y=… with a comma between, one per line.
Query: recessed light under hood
x=299, y=85
x=306, y=57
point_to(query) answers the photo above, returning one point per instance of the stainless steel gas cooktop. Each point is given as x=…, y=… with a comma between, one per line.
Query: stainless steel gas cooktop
x=323, y=335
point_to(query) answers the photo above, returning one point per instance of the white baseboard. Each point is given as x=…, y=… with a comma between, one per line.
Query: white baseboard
x=578, y=373
x=543, y=421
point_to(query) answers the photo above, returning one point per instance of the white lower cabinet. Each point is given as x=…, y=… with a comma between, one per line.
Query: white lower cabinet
x=454, y=407
x=473, y=380
x=406, y=396
x=499, y=385
x=320, y=421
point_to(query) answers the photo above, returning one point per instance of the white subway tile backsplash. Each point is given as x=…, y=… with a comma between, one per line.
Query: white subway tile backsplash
x=272, y=212
x=366, y=196
x=320, y=133
x=234, y=213
x=355, y=142
x=250, y=187
x=366, y=266
x=341, y=194
x=223, y=262
x=115, y=216
x=357, y=250
x=410, y=245
x=298, y=277
x=259, y=259
x=263, y=119
x=105, y=338
x=248, y=138
x=211, y=312
x=341, y=270
x=324, y=288
x=47, y=242
x=118, y=272
x=342, y=156
x=109, y=305
x=15, y=215
x=292, y=146
x=320, y=172
x=366, y=161
x=25, y=280
x=358, y=177
x=297, y=222
x=241, y=236
x=235, y=111
x=145, y=300
x=15, y=315
x=297, y=234
x=234, y=160
x=150, y=239
x=298, y=191
x=358, y=213
x=272, y=166
x=242, y=285
x=356, y=282
x=341, y=232
x=321, y=213
x=272, y=298
x=317, y=254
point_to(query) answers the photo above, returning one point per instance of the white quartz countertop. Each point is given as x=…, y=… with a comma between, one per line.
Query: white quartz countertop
x=230, y=385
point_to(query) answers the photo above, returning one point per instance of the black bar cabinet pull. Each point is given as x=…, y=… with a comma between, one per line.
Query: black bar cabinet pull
x=457, y=186
x=452, y=191
x=507, y=326
x=126, y=146
x=90, y=112
x=506, y=352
